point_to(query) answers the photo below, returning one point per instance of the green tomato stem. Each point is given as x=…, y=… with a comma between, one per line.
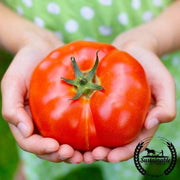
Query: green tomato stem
x=83, y=83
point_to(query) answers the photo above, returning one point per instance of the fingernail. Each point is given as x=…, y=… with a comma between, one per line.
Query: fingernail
x=152, y=123
x=23, y=129
x=51, y=149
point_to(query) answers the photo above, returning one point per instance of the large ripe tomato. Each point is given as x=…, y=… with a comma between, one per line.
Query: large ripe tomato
x=111, y=115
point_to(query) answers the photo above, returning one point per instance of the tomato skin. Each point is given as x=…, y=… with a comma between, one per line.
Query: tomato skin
x=111, y=117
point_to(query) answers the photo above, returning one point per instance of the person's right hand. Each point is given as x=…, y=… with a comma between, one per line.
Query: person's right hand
x=15, y=108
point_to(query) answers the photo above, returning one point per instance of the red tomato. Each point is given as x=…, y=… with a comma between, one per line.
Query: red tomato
x=110, y=116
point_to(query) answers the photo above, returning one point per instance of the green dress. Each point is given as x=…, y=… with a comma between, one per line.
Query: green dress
x=102, y=21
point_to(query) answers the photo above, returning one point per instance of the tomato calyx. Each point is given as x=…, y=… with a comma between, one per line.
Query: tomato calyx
x=83, y=82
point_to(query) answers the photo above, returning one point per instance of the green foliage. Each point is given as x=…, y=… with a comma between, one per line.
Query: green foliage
x=8, y=151
x=175, y=174
x=87, y=173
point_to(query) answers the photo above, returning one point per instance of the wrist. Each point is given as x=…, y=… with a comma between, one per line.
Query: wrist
x=139, y=36
x=162, y=35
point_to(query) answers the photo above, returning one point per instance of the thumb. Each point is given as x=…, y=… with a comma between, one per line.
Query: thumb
x=13, y=111
x=165, y=107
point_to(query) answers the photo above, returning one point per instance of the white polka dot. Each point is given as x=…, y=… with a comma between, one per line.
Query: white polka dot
x=128, y=173
x=71, y=26
x=136, y=4
x=53, y=8
x=157, y=3
x=20, y=10
x=123, y=18
x=87, y=12
x=147, y=16
x=175, y=60
x=106, y=2
x=104, y=30
x=58, y=34
x=89, y=39
x=117, y=167
x=39, y=21
x=27, y=3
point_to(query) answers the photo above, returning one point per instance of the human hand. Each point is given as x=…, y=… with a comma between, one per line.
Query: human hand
x=15, y=107
x=163, y=108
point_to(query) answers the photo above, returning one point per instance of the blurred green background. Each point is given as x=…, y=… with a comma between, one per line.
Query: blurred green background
x=8, y=152
x=9, y=155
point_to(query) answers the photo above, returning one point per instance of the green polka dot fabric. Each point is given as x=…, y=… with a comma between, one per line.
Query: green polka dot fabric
x=95, y=20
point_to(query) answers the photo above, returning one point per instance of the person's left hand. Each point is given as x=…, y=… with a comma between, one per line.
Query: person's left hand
x=163, y=108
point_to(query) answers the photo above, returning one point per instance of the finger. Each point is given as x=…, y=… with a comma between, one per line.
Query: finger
x=13, y=106
x=35, y=144
x=76, y=158
x=126, y=152
x=100, y=153
x=165, y=107
x=65, y=152
x=88, y=157
x=53, y=157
